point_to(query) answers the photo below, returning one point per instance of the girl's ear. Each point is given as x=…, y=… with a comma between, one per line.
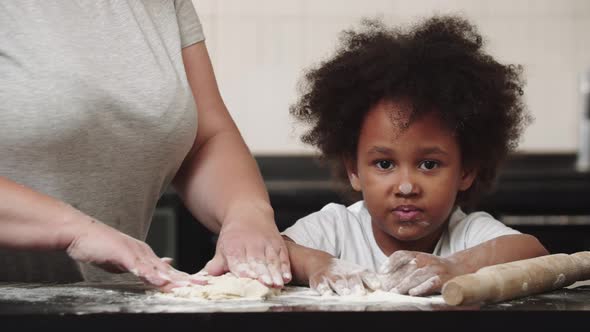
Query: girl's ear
x=467, y=178
x=352, y=172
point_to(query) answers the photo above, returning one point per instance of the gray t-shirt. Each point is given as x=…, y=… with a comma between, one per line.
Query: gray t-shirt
x=95, y=110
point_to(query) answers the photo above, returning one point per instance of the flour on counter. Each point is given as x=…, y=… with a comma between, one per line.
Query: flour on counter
x=228, y=287
x=371, y=297
x=87, y=298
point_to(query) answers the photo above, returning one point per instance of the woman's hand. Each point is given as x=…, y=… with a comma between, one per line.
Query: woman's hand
x=98, y=244
x=343, y=278
x=417, y=273
x=250, y=246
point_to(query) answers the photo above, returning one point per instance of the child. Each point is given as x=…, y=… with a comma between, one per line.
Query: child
x=418, y=122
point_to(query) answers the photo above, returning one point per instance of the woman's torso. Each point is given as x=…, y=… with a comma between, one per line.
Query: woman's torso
x=95, y=110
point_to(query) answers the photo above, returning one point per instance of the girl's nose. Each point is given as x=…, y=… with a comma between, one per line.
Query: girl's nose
x=405, y=187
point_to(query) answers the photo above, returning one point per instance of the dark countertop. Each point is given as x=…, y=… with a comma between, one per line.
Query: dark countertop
x=99, y=306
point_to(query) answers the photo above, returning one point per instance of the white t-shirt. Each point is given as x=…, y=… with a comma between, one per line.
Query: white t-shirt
x=346, y=233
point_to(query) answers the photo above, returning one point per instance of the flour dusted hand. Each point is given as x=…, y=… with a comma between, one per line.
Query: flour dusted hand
x=343, y=278
x=416, y=273
x=254, y=250
x=113, y=251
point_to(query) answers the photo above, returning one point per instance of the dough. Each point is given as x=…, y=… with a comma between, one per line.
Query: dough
x=226, y=286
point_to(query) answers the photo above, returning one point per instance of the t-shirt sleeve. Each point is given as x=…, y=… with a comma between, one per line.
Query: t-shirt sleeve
x=317, y=230
x=480, y=227
x=191, y=30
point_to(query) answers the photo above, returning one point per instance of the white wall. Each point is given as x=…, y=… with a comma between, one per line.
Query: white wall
x=260, y=48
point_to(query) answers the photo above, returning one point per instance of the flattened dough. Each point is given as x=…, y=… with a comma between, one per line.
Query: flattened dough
x=226, y=286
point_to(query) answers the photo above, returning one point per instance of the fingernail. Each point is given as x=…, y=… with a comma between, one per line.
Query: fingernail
x=245, y=269
x=155, y=281
x=358, y=290
x=164, y=276
x=266, y=279
x=395, y=290
x=287, y=276
x=373, y=282
x=323, y=291
x=345, y=291
x=200, y=280
x=182, y=283
x=277, y=280
x=134, y=271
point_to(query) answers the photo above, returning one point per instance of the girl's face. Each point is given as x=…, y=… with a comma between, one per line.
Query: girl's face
x=409, y=177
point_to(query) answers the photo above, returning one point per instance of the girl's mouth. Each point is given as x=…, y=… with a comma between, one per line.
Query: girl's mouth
x=407, y=212
x=406, y=215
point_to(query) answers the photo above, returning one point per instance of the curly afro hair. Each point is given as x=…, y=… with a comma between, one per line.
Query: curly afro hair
x=436, y=65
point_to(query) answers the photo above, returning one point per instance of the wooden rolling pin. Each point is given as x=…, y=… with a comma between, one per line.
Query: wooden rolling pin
x=517, y=279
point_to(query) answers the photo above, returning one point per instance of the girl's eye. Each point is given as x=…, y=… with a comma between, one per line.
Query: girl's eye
x=384, y=164
x=428, y=165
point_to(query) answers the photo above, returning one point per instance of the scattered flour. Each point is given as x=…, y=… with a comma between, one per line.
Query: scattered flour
x=87, y=298
x=371, y=297
x=229, y=287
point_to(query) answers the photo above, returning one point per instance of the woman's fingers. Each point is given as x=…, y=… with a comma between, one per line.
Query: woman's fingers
x=273, y=264
x=285, y=265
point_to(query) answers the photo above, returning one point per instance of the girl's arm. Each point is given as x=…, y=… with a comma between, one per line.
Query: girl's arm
x=418, y=273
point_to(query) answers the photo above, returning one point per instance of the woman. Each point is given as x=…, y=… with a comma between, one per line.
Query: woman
x=104, y=104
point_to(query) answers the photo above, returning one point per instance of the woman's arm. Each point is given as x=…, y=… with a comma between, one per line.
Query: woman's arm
x=221, y=185
x=30, y=220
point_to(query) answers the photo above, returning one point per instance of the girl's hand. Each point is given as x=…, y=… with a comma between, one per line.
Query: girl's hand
x=417, y=273
x=343, y=278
